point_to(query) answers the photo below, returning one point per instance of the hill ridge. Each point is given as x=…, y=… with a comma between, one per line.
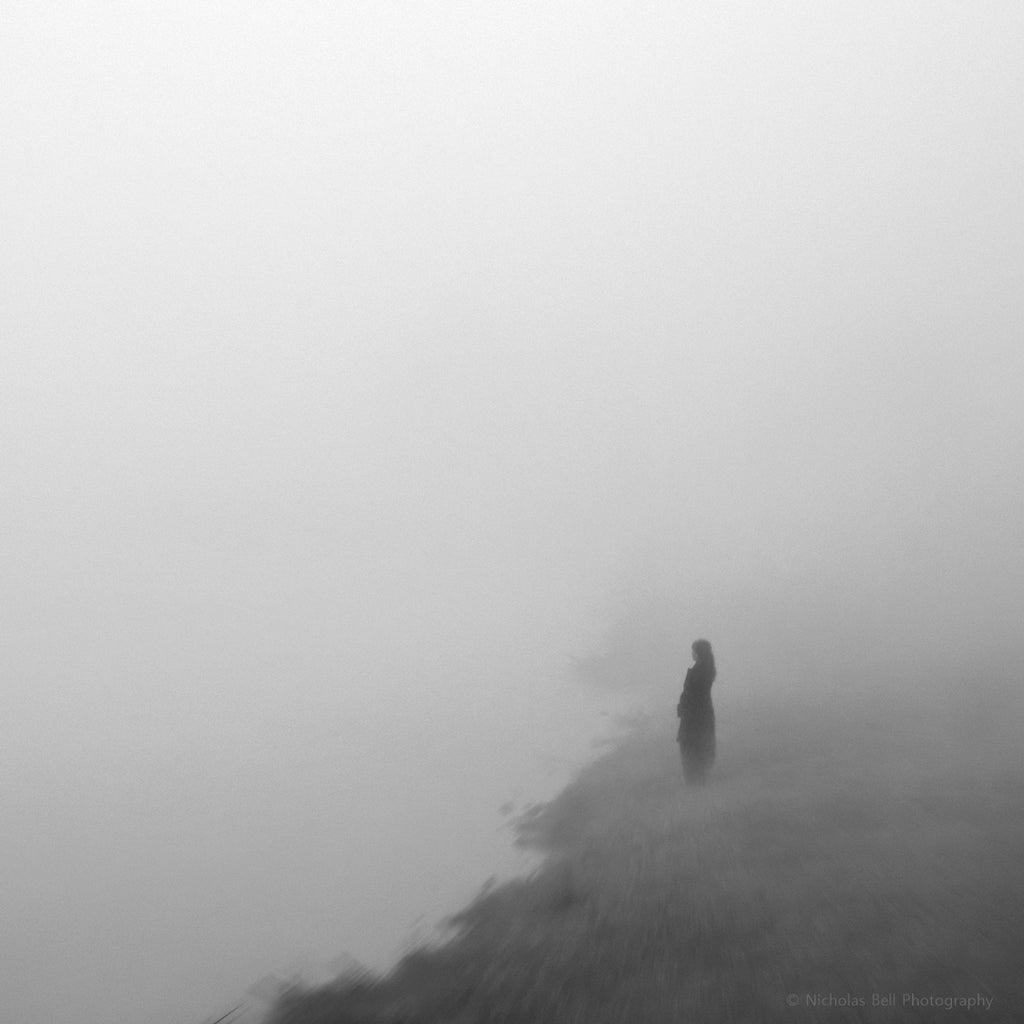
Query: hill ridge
x=840, y=869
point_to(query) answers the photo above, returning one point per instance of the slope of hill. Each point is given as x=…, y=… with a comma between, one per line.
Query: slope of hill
x=864, y=866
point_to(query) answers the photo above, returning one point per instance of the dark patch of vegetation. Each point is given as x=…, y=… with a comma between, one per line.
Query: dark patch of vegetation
x=879, y=856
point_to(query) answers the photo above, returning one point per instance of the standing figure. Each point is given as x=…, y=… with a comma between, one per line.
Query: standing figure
x=696, y=734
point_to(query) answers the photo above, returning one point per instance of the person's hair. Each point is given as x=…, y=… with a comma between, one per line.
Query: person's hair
x=705, y=657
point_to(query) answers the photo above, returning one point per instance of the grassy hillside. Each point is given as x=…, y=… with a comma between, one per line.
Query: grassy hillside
x=867, y=865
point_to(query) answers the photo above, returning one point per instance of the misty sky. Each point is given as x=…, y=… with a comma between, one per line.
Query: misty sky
x=361, y=359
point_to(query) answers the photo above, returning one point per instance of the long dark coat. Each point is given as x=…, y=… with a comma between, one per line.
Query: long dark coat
x=696, y=713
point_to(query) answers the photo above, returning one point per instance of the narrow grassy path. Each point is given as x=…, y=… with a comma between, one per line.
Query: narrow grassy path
x=827, y=874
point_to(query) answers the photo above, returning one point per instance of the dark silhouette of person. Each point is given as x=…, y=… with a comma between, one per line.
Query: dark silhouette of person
x=696, y=736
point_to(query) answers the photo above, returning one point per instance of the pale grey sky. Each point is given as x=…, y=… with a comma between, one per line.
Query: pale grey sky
x=357, y=357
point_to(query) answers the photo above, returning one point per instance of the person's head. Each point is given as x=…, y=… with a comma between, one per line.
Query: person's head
x=703, y=655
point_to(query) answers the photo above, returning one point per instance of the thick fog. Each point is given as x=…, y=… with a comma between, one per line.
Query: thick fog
x=390, y=389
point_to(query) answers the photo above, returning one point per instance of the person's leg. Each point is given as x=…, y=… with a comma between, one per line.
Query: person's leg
x=693, y=765
x=691, y=761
